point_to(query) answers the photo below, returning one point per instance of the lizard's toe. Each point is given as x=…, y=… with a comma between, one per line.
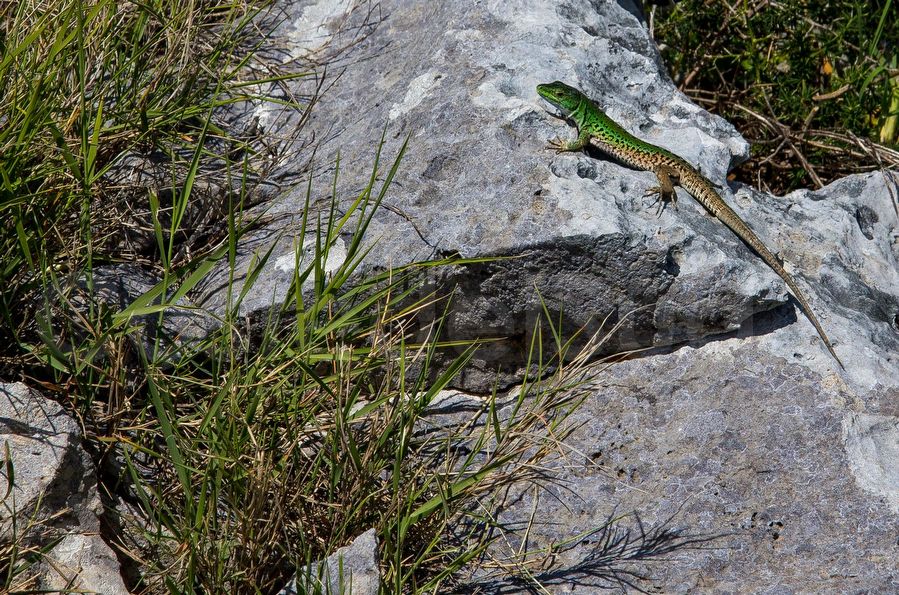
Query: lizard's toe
x=663, y=197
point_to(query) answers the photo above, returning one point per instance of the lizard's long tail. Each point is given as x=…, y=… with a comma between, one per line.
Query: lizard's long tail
x=702, y=190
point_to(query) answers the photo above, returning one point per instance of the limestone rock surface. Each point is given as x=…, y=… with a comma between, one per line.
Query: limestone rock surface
x=735, y=424
x=749, y=475
x=458, y=80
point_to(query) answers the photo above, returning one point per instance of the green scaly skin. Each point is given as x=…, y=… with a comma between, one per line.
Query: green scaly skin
x=597, y=129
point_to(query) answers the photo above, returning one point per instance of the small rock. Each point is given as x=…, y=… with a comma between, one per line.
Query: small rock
x=54, y=495
x=352, y=570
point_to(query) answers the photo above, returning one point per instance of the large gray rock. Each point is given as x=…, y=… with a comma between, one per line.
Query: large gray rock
x=54, y=495
x=750, y=433
x=458, y=79
x=779, y=479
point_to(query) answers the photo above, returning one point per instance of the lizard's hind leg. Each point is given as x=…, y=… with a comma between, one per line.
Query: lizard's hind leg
x=668, y=177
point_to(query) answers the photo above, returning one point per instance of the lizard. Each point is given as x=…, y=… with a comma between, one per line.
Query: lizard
x=598, y=130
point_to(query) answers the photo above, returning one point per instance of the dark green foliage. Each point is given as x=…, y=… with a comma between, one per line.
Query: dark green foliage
x=808, y=65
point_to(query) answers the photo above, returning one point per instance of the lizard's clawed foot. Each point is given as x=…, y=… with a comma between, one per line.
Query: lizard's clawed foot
x=557, y=145
x=663, y=197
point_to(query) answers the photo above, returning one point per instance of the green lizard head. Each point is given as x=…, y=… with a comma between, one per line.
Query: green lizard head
x=563, y=96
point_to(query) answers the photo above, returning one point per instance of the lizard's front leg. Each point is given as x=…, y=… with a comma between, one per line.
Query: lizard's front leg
x=667, y=177
x=578, y=144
